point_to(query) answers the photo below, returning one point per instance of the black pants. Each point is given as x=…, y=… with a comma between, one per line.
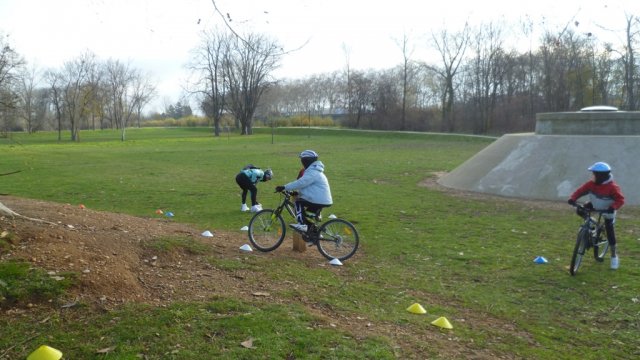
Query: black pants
x=302, y=205
x=246, y=185
x=611, y=234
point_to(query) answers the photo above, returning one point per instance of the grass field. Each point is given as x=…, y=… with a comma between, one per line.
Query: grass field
x=462, y=257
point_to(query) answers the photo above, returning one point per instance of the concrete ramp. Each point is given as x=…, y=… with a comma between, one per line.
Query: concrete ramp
x=548, y=167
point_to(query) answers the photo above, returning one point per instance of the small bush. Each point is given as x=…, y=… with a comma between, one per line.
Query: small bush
x=187, y=121
x=302, y=121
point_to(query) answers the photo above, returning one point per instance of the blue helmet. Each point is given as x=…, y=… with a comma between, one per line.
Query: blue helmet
x=600, y=167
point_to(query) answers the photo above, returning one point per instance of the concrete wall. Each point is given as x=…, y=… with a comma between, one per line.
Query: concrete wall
x=548, y=167
x=588, y=123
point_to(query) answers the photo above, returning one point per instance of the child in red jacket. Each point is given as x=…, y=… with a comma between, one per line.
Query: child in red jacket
x=604, y=195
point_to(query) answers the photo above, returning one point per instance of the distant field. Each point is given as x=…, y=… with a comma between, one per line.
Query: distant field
x=469, y=258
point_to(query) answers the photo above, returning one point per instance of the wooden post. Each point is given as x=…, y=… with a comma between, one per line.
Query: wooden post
x=298, y=243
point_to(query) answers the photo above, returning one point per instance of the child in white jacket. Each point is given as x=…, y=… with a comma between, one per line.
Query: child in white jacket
x=313, y=188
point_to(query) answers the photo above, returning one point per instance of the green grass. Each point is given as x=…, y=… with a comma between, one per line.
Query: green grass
x=468, y=259
x=171, y=243
x=20, y=283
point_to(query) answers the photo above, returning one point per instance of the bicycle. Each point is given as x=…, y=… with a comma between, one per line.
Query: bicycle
x=589, y=236
x=335, y=239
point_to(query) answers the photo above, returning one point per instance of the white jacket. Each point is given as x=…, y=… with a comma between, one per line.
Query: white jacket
x=313, y=186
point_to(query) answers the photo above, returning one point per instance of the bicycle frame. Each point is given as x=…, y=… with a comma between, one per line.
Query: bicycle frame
x=286, y=204
x=589, y=236
x=289, y=206
x=594, y=226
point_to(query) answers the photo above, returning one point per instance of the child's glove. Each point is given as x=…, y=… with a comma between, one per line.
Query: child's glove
x=610, y=210
x=279, y=188
x=571, y=202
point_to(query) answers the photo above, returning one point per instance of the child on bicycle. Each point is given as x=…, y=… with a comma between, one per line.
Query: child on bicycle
x=247, y=179
x=604, y=195
x=313, y=189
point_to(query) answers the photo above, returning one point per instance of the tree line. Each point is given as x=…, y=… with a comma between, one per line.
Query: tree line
x=478, y=84
x=84, y=93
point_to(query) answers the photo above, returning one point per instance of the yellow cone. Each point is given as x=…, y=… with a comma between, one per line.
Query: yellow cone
x=45, y=352
x=416, y=309
x=442, y=322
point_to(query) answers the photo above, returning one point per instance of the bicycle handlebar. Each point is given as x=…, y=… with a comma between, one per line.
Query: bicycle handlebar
x=286, y=192
x=589, y=209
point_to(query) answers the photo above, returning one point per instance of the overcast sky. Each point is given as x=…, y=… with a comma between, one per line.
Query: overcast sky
x=157, y=35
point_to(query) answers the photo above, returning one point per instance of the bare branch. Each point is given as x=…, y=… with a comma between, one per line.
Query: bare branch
x=226, y=18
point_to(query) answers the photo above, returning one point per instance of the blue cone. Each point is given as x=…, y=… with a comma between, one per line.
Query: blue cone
x=540, y=260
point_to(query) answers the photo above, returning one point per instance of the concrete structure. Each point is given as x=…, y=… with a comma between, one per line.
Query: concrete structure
x=552, y=162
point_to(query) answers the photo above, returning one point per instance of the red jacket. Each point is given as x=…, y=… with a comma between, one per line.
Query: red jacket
x=602, y=196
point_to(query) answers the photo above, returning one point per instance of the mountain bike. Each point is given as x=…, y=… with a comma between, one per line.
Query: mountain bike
x=335, y=239
x=590, y=235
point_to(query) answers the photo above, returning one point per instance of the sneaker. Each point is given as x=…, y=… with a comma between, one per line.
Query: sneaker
x=299, y=227
x=615, y=263
x=244, y=208
x=256, y=208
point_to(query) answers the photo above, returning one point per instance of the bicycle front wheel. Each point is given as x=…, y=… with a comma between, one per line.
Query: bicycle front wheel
x=338, y=239
x=266, y=230
x=600, y=248
x=579, y=249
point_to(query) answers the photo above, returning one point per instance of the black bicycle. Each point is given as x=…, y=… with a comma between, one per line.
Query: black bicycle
x=590, y=235
x=335, y=239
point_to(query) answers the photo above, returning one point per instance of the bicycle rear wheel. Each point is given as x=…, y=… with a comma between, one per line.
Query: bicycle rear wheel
x=338, y=239
x=266, y=230
x=579, y=250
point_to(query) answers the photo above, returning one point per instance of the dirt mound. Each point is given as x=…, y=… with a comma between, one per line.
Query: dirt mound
x=115, y=256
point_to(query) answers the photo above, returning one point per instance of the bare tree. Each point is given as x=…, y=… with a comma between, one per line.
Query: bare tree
x=96, y=103
x=143, y=92
x=566, y=70
x=451, y=48
x=386, y=101
x=126, y=89
x=603, y=70
x=42, y=109
x=362, y=97
x=72, y=91
x=27, y=94
x=632, y=31
x=55, y=81
x=347, y=70
x=11, y=64
x=407, y=74
x=207, y=66
x=330, y=87
x=248, y=65
x=486, y=74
